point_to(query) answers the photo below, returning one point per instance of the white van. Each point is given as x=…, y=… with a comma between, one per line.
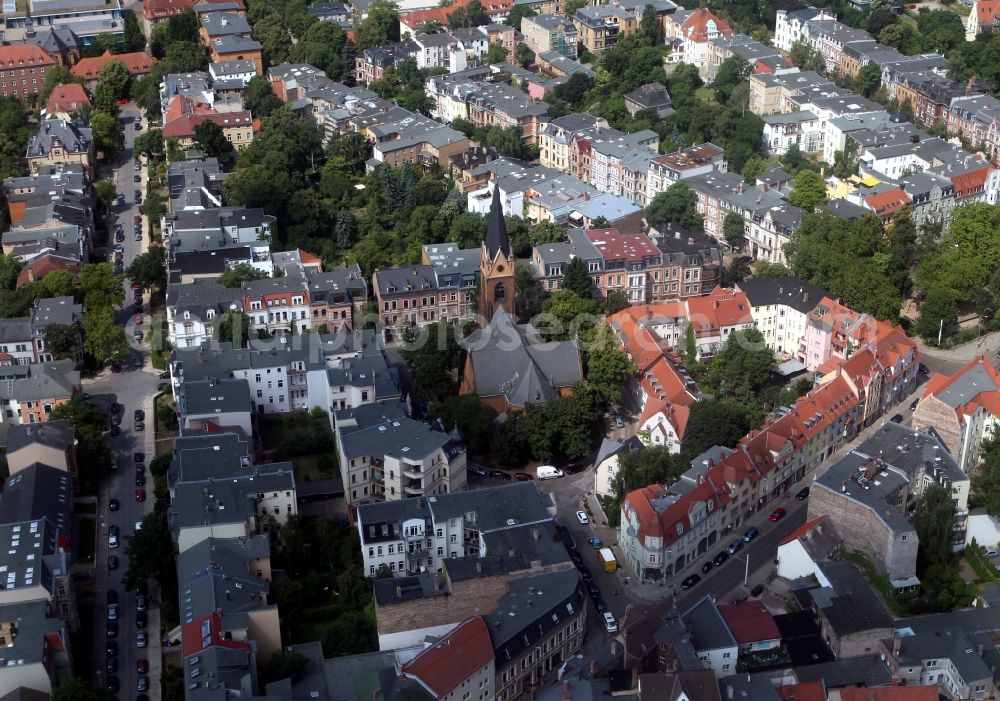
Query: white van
x=547, y=472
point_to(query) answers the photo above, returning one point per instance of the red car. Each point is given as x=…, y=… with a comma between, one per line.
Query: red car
x=522, y=477
x=777, y=514
x=137, y=219
x=138, y=319
x=122, y=100
x=140, y=495
x=142, y=666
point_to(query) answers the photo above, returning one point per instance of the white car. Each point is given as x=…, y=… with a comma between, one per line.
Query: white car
x=112, y=612
x=610, y=623
x=581, y=516
x=138, y=525
x=112, y=541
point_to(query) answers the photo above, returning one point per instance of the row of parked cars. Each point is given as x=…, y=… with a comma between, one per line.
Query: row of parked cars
x=141, y=640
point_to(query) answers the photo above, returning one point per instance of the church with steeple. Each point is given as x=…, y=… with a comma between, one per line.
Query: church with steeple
x=496, y=265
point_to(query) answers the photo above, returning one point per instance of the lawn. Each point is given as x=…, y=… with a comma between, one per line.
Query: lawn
x=706, y=94
x=88, y=540
x=164, y=399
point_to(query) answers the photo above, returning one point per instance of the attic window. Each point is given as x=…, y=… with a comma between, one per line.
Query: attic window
x=680, y=529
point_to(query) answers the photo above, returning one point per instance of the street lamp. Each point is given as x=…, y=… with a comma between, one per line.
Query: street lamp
x=746, y=569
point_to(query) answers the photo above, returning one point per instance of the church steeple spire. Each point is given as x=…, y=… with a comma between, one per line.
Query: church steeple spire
x=496, y=229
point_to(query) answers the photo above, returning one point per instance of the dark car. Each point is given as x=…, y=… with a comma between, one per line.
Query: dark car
x=114, y=505
x=139, y=457
x=707, y=566
x=924, y=370
x=112, y=648
x=116, y=408
x=720, y=558
x=140, y=603
x=142, y=666
x=166, y=376
x=114, y=530
x=897, y=418
x=116, y=420
x=752, y=533
x=139, y=425
x=734, y=546
x=141, y=620
x=120, y=236
x=499, y=475
x=116, y=431
x=140, y=481
x=803, y=494
x=140, y=415
x=142, y=683
x=913, y=404
x=112, y=596
x=113, y=685
x=112, y=629
x=113, y=562
x=690, y=581
x=111, y=665
x=137, y=178
x=523, y=477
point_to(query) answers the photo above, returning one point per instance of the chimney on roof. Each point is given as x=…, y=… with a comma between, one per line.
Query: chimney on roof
x=690, y=240
x=897, y=643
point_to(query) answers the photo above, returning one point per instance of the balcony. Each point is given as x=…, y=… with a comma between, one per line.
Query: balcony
x=413, y=488
x=413, y=472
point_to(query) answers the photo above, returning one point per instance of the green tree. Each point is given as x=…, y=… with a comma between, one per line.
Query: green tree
x=934, y=521
x=742, y=367
x=676, y=205
x=937, y=311
x=150, y=144
x=577, y=279
x=149, y=269
x=869, y=79
x=810, y=190
x=150, y=552
x=54, y=76
x=240, y=273
x=379, y=27
x=713, y=423
x=76, y=689
x=472, y=417
x=528, y=292
x=107, y=133
x=115, y=75
x=272, y=33
x=525, y=56
x=806, y=57
x=210, y=139
x=571, y=6
x=234, y=327
x=134, y=39
x=433, y=355
x=59, y=283
x=497, y=53
x=649, y=26
x=733, y=71
x=616, y=301
x=763, y=268
x=259, y=98
x=517, y=13
x=102, y=288
x=608, y=368
x=986, y=479
x=732, y=231
x=471, y=15
x=106, y=191
x=690, y=346
x=967, y=255
x=62, y=340
x=186, y=56
x=92, y=453
x=569, y=313
x=640, y=468
x=103, y=338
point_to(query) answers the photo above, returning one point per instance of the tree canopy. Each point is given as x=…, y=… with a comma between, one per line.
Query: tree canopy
x=675, y=205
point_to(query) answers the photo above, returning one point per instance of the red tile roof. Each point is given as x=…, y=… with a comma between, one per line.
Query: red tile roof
x=154, y=10
x=802, y=530
x=890, y=693
x=67, y=98
x=803, y=691
x=185, y=124
x=453, y=659
x=24, y=54
x=721, y=308
x=987, y=11
x=971, y=182
x=137, y=63
x=750, y=622
x=614, y=245
x=887, y=202
x=39, y=267
x=659, y=514
x=696, y=25
x=440, y=14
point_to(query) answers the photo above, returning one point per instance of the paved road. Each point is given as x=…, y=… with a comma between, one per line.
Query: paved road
x=134, y=389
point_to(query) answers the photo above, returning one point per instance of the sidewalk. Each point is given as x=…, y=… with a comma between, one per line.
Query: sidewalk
x=963, y=353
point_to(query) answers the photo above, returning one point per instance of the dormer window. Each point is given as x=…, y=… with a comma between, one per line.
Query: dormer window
x=187, y=315
x=680, y=528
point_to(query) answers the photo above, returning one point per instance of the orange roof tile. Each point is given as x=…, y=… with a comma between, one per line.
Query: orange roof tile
x=803, y=691
x=890, y=693
x=696, y=25
x=970, y=182
x=24, y=54
x=185, y=125
x=137, y=63
x=802, y=530
x=888, y=201
x=67, y=98
x=750, y=622
x=987, y=11
x=453, y=659
x=658, y=513
x=440, y=14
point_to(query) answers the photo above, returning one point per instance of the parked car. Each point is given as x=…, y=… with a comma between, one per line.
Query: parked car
x=140, y=481
x=138, y=236
x=113, y=685
x=112, y=648
x=137, y=335
x=522, y=477
x=803, y=494
x=707, y=566
x=581, y=516
x=141, y=620
x=112, y=629
x=139, y=415
x=140, y=600
x=897, y=418
x=142, y=683
x=137, y=178
x=499, y=475
x=777, y=514
x=140, y=639
x=477, y=470
x=751, y=533
x=112, y=596
x=595, y=543
x=141, y=666
x=735, y=546
x=140, y=495
x=117, y=408
x=113, y=562
x=609, y=622
x=913, y=404
x=619, y=423
x=112, y=541
x=690, y=581
x=111, y=666
x=720, y=558
x=112, y=612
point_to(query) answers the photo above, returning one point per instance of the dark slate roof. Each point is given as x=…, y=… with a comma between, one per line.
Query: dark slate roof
x=496, y=229
x=850, y=605
x=56, y=434
x=792, y=292
x=864, y=670
x=213, y=397
x=37, y=492
x=707, y=627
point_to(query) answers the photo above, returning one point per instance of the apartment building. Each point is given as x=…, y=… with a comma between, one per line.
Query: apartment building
x=37, y=653
x=670, y=168
x=231, y=47
x=22, y=340
x=544, y=33
x=386, y=456
x=599, y=27
x=692, y=263
x=418, y=535
x=61, y=142
x=720, y=194
x=29, y=393
x=410, y=296
x=22, y=69
x=373, y=62
x=52, y=443
x=695, y=31
x=182, y=121
x=948, y=660
x=137, y=63
x=780, y=308
x=769, y=92
x=651, y=96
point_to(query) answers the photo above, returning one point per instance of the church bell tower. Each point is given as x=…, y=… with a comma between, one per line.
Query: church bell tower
x=496, y=266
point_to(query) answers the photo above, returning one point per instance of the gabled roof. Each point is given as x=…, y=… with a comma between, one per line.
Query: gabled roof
x=888, y=201
x=750, y=622
x=696, y=26
x=453, y=659
x=24, y=54
x=70, y=97
x=137, y=63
